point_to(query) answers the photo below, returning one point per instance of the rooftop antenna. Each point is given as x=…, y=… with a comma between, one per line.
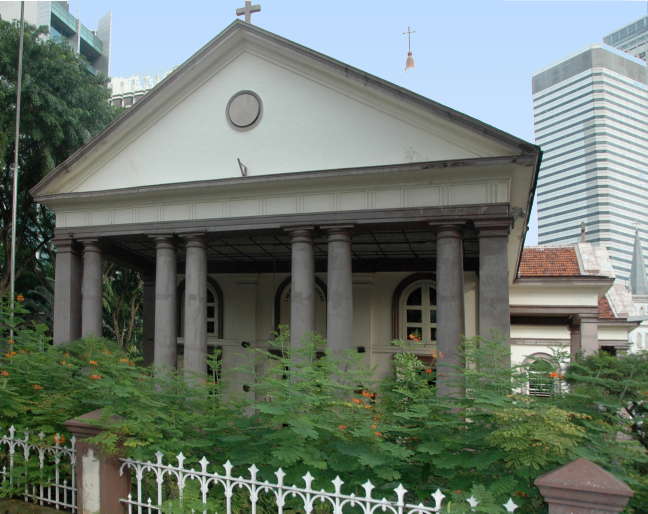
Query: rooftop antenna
x=409, y=63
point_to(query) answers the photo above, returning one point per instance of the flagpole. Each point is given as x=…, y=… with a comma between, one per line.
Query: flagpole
x=16, y=168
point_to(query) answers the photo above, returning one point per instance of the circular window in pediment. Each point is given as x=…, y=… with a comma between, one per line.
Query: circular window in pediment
x=244, y=110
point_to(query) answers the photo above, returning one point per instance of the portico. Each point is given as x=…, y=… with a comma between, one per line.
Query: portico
x=382, y=215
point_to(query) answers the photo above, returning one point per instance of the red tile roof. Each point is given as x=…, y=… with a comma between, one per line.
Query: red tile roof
x=550, y=261
x=604, y=309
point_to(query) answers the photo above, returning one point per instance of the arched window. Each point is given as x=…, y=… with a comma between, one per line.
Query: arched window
x=540, y=370
x=414, y=309
x=214, y=309
x=282, y=305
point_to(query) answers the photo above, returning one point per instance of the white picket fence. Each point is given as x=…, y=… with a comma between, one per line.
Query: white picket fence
x=38, y=473
x=260, y=494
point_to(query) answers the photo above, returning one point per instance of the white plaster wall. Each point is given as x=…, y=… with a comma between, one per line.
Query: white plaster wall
x=519, y=352
x=249, y=316
x=540, y=332
x=553, y=296
x=307, y=124
x=612, y=333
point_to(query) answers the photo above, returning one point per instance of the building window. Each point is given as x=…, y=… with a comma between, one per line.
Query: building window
x=214, y=308
x=543, y=377
x=418, y=312
x=282, y=305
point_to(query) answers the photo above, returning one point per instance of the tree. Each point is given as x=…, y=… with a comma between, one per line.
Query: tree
x=63, y=106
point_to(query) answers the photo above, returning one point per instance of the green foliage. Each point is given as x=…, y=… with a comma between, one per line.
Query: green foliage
x=63, y=105
x=308, y=412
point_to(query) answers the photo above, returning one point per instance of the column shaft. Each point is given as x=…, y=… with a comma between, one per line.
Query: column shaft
x=494, y=309
x=67, y=292
x=148, y=315
x=574, y=339
x=589, y=343
x=195, y=307
x=339, y=311
x=166, y=315
x=302, y=286
x=450, y=309
x=91, y=291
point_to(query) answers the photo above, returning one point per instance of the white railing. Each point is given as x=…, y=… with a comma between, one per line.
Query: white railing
x=38, y=473
x=219, y=492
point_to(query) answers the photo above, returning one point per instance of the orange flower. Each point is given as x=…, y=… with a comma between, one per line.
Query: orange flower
x=458, y=491
x=553, y=374
x=95, y=377
x=10, y=355
x=124, y=360
x=37, y=387
x=59, y=439
x=428, y=370
x=357, y=401
x=92, y=363
x=342, y=427
x=4, y=373
x=413, y=337
x=368, y=394
x=20, y=298
x=374, y=426
x=378, y=434
x=11, y=341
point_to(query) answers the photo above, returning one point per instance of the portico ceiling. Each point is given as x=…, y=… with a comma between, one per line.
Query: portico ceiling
x=374, y=248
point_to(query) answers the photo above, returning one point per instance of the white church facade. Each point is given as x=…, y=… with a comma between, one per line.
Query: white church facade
x=262, y=183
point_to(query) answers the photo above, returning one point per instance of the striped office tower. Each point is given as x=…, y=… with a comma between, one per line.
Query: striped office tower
x=591, y=120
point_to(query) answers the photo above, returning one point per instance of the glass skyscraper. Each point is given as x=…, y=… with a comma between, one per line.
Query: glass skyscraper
x=591, y=120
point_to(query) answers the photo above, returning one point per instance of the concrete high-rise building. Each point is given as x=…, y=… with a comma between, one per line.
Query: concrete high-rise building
x=632, y=38
x=591, y=120
x=125, y=91
x=62, y=26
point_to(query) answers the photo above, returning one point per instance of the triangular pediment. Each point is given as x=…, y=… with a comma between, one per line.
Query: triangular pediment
x=315, y=114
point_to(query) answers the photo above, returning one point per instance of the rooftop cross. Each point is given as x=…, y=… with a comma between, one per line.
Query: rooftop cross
x=409, y=38
x=248, y=10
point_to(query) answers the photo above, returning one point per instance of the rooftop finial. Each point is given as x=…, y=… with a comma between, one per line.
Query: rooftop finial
x=583, y=234
x=410, y=60
x=248, y=10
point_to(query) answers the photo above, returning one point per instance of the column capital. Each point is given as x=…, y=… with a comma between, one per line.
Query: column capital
x=493, y=227
x=66, y=245
x=195, y=239
x=90, y=244
x=449, y=229
x=301, y=234
x=338, y=232
x=164, y=241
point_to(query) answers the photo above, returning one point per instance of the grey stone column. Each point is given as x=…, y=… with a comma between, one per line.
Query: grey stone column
x=494, y=309
x=339, y=308
x=195, y=307
x=574, y=338
x=450, y=309
x=302, y=286
x=91, y=290
x=166, y=314
x=67, y=292
x=589, y=343
x=148, y=315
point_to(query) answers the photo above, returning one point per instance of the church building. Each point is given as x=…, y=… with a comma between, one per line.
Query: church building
x=262, y=183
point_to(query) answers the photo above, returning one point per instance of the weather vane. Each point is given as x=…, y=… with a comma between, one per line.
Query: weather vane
x=409, y=63
x=248, y=10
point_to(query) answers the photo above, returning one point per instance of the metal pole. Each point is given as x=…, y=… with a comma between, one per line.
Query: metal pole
x=16, y=168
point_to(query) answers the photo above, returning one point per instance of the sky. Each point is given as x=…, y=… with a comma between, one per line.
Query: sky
x=475, y=56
